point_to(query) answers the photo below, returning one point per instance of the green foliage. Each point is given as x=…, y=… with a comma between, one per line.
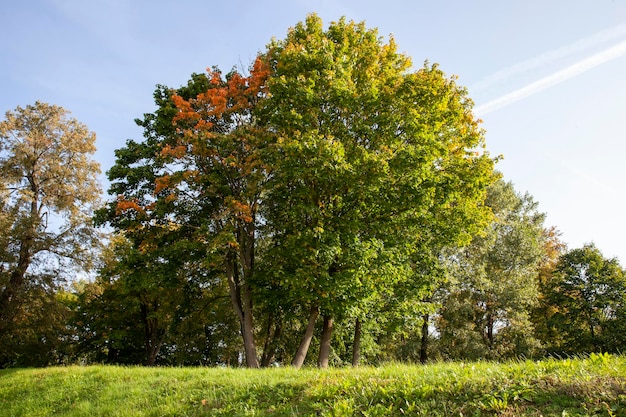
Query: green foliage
x=487, y=303
x=374, y=164
x=585, y=303
x=574, y=387
x=36, y=333
x=156, y=306
x=329, y=178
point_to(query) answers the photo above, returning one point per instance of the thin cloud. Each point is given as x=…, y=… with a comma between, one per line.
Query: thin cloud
x=557, y=77
x=592, y=42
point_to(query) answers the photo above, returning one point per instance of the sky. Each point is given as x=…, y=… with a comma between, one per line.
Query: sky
x=548, y=78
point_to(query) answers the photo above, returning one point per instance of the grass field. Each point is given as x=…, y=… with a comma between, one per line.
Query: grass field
x=594, y=386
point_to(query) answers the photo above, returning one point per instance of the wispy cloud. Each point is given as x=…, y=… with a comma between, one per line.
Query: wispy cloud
x=592, y=42
x=557, y=77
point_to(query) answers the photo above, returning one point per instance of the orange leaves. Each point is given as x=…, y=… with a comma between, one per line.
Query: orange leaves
x=224, y=97
x=123, y=206
x=240, y=210
x=170, y=198
x=162, y=183
x=212, y=102
x=174, y=151
x=185, y=108
x=258, y=77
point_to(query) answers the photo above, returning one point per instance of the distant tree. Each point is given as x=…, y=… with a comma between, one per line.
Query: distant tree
x=553, y=249
x=586, y=303
x=486, y=305
x=48, y=190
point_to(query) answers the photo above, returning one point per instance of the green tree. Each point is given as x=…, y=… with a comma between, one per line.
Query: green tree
x=48, y=191
x=486, y=304
x=586, y=296
x=152, y=306
x=371, y=157
x=199, y=171
x=553, y=249
x=312, y=181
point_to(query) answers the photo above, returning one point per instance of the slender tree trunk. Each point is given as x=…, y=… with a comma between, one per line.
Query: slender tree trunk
x=356, y=345
x=327, y=332
x=240, y=296
x=490, y=330
x=248, y=329
x=246, y=253
x=592, y=332
x=234, y=290
x=269, y=349
x=425, y=336
x=300, y=355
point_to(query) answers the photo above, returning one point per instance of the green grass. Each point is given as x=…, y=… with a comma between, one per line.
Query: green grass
x=595, y=386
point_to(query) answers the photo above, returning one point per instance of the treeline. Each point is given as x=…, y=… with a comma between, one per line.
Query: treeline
x=329, y=198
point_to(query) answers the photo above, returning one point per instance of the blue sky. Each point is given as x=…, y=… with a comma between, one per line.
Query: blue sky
x=548, y=77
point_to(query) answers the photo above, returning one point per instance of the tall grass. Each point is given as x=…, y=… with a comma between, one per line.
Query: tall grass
x=594, y=386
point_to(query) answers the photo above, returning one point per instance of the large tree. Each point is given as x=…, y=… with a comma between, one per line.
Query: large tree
x=199, y=173
x=313, y=180
x=48, y=190
x=372, y=158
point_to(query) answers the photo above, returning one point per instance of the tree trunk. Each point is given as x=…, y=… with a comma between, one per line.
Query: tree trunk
x=424, y=344
x=490, y=330
x=300, y=355
x=16, y=280
x=327, y=332
x=592, y=332
x=240, y=296
x=248, y=328
x=356, y=345
x=246, y=254
x=269, y=349
x=153, y=336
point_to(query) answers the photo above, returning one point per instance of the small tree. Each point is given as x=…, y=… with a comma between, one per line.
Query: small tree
x=586, y=298
x=48, y=190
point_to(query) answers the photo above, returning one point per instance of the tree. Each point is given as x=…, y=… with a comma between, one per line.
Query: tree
x=371, y=157
x=221, y=153
x=329, y=161
x=48, y=191
x=586, y=299
x=553, y=249
x=487, y=303
x=200, y=172
x=150, y=306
